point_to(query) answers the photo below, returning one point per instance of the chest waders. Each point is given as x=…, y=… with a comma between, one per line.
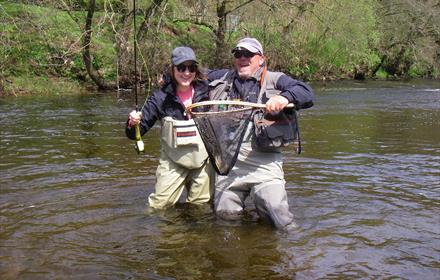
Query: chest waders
x=256, y=173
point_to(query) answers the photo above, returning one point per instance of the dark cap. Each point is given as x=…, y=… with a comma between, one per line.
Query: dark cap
x=182, y=54
x=250, y=44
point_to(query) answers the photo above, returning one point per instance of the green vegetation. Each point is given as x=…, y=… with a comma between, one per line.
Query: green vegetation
x=43, y=42
x=33, y=50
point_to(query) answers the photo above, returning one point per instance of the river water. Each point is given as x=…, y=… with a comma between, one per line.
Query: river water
x=365, y=193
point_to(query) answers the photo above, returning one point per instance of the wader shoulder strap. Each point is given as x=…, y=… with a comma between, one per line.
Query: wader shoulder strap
x=268, y=79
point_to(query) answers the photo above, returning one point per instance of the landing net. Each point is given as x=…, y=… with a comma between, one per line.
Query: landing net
x=222, y=126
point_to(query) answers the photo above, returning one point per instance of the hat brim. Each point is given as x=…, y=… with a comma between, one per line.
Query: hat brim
x=182, y=60
x=248, y=48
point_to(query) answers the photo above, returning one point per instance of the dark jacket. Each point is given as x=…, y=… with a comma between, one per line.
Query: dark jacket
x=297, y=92
x=164, y=102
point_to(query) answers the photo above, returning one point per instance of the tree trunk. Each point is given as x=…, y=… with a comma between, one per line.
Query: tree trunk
x=148, y=16
x=220, y=58
x=220, y=44
x=87, y=58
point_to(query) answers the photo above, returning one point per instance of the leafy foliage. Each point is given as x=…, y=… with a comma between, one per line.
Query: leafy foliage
x=314, y=39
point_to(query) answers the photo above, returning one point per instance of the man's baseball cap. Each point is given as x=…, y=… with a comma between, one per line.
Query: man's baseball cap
x=182, y=54
x=250, y=44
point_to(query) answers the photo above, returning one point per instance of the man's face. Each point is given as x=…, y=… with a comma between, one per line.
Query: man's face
x=247, y=63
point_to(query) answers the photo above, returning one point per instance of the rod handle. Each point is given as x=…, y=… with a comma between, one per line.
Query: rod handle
x=139, y=145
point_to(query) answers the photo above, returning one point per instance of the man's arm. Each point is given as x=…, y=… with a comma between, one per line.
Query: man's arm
x=216, y=74
x=296, y=92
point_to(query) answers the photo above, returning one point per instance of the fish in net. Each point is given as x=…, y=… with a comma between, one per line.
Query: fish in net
x=222, y=126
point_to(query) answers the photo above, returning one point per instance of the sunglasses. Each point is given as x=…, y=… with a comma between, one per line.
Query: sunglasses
x=182, y=68
x=245, y=53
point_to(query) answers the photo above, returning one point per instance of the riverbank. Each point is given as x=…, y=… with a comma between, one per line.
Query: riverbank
x=40, y=51
x=25, y=85
x=42, y=47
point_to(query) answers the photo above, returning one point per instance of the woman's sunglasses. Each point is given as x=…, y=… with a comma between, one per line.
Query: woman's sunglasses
x=182, y=68
x=245, y=53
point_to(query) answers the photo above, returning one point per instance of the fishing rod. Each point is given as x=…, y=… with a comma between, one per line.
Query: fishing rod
x=139, y=145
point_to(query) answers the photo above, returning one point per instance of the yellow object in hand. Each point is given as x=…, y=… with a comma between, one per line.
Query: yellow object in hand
x=139, y=146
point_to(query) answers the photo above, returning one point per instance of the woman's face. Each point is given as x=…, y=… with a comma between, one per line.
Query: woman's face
x=184, y=73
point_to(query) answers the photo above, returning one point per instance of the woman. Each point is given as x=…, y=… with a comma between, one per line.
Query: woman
x=183, y=160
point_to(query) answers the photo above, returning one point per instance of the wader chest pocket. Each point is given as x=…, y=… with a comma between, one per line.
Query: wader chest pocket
x=185, y=134
x=177, y=133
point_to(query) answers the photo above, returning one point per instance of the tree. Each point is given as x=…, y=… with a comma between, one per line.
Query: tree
x=222, y=12
x=87, y=57
x=410, y=38
x=122, y=28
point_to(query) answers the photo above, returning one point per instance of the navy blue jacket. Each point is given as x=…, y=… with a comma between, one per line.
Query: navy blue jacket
x=164, y=102
x=297, y=92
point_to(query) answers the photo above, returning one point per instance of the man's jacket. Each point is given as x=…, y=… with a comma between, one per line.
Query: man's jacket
x=296, y=92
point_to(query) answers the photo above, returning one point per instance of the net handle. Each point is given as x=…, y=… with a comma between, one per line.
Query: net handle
x=231, y=102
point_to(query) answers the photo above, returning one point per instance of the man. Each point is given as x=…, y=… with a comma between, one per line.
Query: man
x=256, y=172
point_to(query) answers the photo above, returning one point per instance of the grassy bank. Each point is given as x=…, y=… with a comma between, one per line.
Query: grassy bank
x=41, y=46
x=40, y=51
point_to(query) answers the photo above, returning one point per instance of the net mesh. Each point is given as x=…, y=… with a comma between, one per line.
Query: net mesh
x=222, y=128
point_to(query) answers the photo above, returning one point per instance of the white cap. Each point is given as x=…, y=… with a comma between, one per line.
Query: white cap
x=250, y=44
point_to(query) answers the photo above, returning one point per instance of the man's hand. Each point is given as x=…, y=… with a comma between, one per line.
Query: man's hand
x=275, y=104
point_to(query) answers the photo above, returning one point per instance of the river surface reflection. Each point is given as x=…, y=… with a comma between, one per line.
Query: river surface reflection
x=365, y=193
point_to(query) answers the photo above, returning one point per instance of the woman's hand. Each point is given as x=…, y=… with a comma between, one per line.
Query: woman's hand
x=134, y=118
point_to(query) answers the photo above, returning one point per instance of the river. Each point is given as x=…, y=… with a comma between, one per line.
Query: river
x=365, y=193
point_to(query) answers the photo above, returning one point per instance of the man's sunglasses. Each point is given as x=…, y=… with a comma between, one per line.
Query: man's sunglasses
x=245, y=53
x=182, y=68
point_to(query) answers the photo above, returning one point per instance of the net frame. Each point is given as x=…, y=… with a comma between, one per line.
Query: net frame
x=244, y=106
x=227, y=102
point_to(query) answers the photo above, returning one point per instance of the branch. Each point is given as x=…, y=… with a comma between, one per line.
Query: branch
x=238, y=7
x=148, y=16
x=205, y=24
